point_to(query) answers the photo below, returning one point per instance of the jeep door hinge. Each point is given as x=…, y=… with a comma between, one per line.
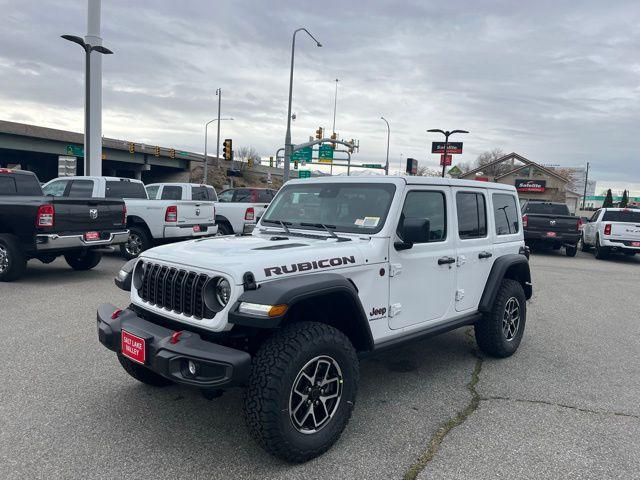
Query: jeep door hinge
x=395, y=309
x=461, y=260
x=459, y=294
x=395, y=269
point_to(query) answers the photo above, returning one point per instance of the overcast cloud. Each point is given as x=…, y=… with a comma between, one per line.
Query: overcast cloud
x=558, y=82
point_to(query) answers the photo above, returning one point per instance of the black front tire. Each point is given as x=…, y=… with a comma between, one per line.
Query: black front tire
x=571, y=251
x=490, y=332
x=142, y=373
x=83, y=260
x=269, y=398
x=139, y=240
x=13, y=262
x=583, y=246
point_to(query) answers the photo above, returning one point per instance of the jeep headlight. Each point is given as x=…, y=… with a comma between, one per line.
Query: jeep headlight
x=223, y=291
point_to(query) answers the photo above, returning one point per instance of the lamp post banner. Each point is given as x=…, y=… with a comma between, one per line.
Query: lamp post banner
x=453, y=148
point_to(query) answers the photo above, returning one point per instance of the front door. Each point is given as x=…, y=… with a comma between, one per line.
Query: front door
x=422, y=284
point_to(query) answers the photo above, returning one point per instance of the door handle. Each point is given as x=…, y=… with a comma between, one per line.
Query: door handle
x=485, y=255
x=446, y=260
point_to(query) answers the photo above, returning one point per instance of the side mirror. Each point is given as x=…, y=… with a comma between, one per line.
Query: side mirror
x=414, y=230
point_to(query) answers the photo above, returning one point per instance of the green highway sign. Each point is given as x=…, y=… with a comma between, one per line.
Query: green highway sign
x=304, y=174
x=75, y=150
x=303, y=155
x=325, y=152
x=371, y=165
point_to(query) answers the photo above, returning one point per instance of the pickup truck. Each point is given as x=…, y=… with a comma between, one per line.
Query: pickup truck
x=238, y=209
x=551, y=225
x=612, y=230
x=149, y=222
x=45, y=227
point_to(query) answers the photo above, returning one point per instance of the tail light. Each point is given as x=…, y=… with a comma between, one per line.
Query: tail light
x=607, y=229
x=124, y=214
x=249, y=214
x=5, y=170
x=579, y=223
x=525, y=221
x=45, y=216
x=171, y=215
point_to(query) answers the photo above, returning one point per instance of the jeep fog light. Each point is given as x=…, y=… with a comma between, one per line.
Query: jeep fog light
x=260, y=310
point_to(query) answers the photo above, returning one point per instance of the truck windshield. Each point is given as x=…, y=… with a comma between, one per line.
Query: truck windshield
x=547, y=208
x=344, y=207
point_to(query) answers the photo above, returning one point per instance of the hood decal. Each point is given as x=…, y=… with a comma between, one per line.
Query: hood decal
x=306, y=266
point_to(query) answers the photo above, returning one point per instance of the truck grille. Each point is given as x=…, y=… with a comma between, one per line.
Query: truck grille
x=177, y=290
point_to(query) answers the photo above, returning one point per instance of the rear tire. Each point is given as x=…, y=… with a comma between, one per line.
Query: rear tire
x=225, y=229
x=13, y=262
x=138, y=242
x=571, y=251
x=83, y=260
x=316, y=360
x=142, y=373
x=601, y=253
x=500, y=331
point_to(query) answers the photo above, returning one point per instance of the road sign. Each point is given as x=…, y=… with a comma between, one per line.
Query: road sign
x=304, y=174
x=445, y=159
x=303, y=155
x=454, y=147
x=325, y=160
x=412, y=166
x=325, y=151
x=75, y=150
x=66, y=166
x=371, y=165
x=455, y=171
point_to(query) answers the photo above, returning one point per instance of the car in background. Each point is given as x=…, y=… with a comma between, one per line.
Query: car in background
x=551, y=225
x=612, y=230
x=238, y=209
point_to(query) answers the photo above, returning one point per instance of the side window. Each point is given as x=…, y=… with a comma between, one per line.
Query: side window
x=242, y=195
x=212, y=194
x=505, y=214
x=171, y=193
x=199, y=193
x=225, y=196
x=429, y=205
x=125, y=189
x=81, y=189
x=472, y=215
x=152, y=191
x=594, y=218
x=56, y=188
x=264, y=196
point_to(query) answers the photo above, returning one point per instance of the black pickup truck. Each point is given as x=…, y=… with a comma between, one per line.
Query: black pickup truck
x=550, y=225
x=44, y=227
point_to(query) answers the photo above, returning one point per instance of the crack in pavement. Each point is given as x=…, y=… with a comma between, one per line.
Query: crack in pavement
x=562, y=405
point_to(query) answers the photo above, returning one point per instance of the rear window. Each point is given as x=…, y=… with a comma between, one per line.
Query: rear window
x=505, y=214
x=202, y=193
x=628, y=216
x=171, y=193
x=263, y=196
x=7, y=186
x=547, y=208
x=125, y=189
x=81, y=189
x=242, y=195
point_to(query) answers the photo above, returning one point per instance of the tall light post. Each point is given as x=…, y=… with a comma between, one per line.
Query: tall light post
x=206, y=159
x=446, y=134
x=88, y=48
x=333, y=130
x=288, y=147
x=386, y=165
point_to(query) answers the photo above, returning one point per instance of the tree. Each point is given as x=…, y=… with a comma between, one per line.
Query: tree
x=625, y=200
x=488, y=157
x=427, y=172
x=608, y=201
x=244, y=154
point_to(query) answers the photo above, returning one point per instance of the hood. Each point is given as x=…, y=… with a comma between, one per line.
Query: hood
x=267, y=256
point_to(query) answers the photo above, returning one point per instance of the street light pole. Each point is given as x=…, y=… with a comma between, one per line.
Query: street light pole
x=386, y=165
x=446, y=142
x=219, y=93
x=206, y=159
x=586, y=179
x=288, y=147
x=88, y=48
x=335, y=105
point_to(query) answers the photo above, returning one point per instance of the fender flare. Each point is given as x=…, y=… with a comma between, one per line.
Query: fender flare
x=514, y=266
x=294, y=290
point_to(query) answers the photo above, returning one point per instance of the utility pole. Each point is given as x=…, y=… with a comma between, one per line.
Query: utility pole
x=219, y=94
x=586, y=179
x=386, y=165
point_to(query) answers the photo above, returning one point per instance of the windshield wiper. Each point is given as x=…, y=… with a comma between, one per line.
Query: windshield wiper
x=328, y=228
x=282, y=223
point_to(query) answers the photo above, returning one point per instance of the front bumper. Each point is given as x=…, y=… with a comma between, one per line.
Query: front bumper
x=46, y=242
x=186, y=231
x=218, y=366
x=560, y=237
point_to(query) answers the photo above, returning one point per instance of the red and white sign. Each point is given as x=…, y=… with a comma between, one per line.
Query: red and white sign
x=133, y=347
x=527, y=185
x=196, y=228
x=445, y=159
x=635, y=244
x=91, y=236
x=551, y=234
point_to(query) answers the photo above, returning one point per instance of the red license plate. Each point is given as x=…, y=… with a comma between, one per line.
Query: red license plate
x=133, y=347
x=91, y=236
x=196, y=228
x=551, y=234
x=635, y=244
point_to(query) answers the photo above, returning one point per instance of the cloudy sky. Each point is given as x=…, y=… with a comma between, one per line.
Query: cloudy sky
x=558, y=81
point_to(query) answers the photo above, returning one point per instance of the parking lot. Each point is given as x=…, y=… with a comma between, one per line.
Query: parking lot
x=564, y=406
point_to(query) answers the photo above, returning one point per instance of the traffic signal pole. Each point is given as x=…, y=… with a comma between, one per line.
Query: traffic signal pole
x=219, y=93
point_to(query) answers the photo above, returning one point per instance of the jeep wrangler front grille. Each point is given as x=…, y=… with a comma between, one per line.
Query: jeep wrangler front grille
x=173, y=289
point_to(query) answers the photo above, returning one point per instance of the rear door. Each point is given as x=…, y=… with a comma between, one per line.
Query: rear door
x=474, y=246
x=82, y=215
x=200, y=209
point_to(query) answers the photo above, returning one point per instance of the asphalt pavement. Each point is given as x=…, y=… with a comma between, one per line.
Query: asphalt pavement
x=565, y=406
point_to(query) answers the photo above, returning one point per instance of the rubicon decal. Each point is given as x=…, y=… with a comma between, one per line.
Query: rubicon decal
x=306, y=266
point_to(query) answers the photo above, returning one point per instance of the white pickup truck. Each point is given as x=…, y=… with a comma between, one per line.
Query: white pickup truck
x=612, y=230
x=236, y=209
x=149, y=221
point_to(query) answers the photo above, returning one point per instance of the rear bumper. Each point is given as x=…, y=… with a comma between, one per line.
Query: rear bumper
x=186, y=231
x=247, y=228
x=217, y=366
x=560, y=238
x=46, y=242
x=618, y=244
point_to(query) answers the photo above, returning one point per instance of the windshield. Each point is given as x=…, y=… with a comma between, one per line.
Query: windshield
x=345, y=207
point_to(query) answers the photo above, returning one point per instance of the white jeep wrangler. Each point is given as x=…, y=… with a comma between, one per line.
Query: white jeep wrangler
x=335, y=268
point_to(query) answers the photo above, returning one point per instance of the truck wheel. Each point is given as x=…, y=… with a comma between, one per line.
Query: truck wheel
x=83, y=260
x=13, y=263
x=601, y=252
x=137, y=243
x=629, y=253
x=583, y=245
x=500, y=331
x=570, y=251
x=301, y=391
x=225, y=229
x=142, y=373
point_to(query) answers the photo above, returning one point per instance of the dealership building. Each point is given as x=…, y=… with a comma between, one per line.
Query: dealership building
x=532, y=180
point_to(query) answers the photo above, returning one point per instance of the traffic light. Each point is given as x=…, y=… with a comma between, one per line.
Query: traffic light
x=295, y=164
x=157, y=152
x=132, y=147
x=334, y=136
x=227, y=149
x=319, y=133
x=172, y=153
x=250, y=162
x=271, y=162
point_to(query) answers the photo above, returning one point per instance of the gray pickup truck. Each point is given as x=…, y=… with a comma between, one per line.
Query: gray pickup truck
x=550, y=225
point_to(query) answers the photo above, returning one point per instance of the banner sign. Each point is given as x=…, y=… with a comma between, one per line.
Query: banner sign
x=445, y=159
x=452, y=148
x=528, y=185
